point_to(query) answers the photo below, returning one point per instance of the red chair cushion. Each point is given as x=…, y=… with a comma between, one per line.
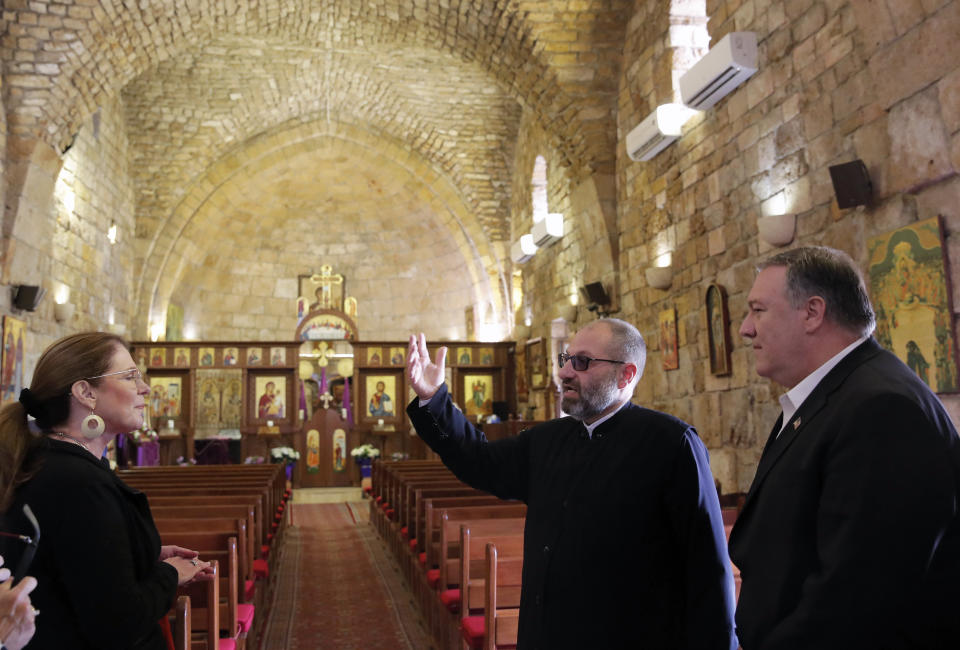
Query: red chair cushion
x=226, y=644
x=260, y=568
x=413, y=544
x=389, y=512
x=249, y=589
x=368, y=490
x=472, y=629
x=433, y=577
x=422, y=559
x=245, y=617
x=451, y=599
x=379, y=498
x=384, y=505
x=404, y=532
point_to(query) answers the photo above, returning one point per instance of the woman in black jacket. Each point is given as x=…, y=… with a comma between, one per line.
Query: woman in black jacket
x=104, y=581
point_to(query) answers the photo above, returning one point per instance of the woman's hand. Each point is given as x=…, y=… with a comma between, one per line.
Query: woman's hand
x=167, y=552
x=189, y=569
x=16, y=613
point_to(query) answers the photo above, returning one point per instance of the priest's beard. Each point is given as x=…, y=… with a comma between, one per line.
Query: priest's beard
x=592, y=399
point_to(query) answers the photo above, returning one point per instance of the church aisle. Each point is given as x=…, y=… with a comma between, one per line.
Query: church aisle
x=338, y=587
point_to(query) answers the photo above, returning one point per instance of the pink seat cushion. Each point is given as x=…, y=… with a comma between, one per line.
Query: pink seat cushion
x=433, y=577
x=422, y=558
x=226, y=644
x=451, y=599
x=404, y=532
x=413, y=544
x=249, y=589
x=472, y=631
x=265, y=550
x=260, y=568
x=245, y=617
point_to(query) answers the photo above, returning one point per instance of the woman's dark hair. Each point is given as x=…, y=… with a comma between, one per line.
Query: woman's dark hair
x=64, y=363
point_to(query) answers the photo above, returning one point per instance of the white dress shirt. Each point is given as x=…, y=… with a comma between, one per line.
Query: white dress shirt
x=793, y=398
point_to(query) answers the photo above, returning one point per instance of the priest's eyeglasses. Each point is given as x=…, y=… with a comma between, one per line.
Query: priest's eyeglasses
x=31, y=542
x=580, y=362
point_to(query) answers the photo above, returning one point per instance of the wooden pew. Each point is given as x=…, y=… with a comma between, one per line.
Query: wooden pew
x=181, y=623
x=219, y=546
x=205, y=619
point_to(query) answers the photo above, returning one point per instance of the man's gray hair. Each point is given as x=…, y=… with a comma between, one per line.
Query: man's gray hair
x=832, y=275
x=626, y=343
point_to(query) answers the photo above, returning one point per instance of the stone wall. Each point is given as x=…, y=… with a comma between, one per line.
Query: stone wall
x=838, y=80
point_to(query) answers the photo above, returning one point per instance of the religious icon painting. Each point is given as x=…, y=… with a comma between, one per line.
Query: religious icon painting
x=477, y=395
x=486, y=356
x=380, y=391
x=205, y=357
x=230, y=356
x=374, y=356
x=312, y=461
x=668, y=339
x=270, y=392
x=158, y=357
x=278, y=356
x=397, y=356
x=470, y=322
x=464, y=356
x=165, y=396
x=521, y=372
x=254, y=356
x=181, y=357
x=11, y=378
x=537, y=375
x=718, y=330
x=909, y=285
x=339, y=450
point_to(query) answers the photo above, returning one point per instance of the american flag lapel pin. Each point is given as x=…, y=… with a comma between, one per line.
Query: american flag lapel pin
x=796, y=424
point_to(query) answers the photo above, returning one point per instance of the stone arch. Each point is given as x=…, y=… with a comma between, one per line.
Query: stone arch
x=165, y=261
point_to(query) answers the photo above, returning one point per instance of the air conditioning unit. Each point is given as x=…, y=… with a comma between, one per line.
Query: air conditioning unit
x=523, y=249
x=657, y=131
x=727, y=65
x=548, y=230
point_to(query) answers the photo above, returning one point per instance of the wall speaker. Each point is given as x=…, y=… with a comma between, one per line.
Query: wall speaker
x=851, y=184
x=595, y=293
x=27, y=296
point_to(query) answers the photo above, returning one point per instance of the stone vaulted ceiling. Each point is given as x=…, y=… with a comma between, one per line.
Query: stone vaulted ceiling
x=217, y=92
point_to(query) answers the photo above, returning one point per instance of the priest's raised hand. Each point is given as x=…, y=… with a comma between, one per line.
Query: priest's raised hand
x=425, y=376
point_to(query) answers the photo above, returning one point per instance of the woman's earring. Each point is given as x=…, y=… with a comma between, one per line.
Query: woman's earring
x=92, y=426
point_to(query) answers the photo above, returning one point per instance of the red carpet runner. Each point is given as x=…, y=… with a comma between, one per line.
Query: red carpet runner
x=338, y=588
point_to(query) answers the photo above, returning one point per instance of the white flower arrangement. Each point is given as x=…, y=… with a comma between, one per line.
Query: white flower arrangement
x=365, y=451
x=286, y=455
x=143, y=434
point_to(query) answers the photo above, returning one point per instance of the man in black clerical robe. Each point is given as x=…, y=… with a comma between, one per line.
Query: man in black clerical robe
x=624, y=544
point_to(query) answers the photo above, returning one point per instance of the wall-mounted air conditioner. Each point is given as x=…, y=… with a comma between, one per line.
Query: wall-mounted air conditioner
x=548, y=230
x=657, y=131
x=727, y=65
x=523, y=249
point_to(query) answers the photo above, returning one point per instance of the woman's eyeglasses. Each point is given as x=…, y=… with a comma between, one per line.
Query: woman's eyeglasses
x=130, y=374
x=580, y=362
x=31, y=544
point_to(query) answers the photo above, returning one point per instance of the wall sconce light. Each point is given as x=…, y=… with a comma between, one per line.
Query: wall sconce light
x=567, y=312
x=63, y=311
x=156, y=331
x=523, y=249
x=660, y=277
x=777, y=229
x=112, y=233
x=548, y=230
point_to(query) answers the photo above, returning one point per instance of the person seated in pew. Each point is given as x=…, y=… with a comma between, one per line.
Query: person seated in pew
x=104, y=581
x=17, y=614
x=624, y=540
